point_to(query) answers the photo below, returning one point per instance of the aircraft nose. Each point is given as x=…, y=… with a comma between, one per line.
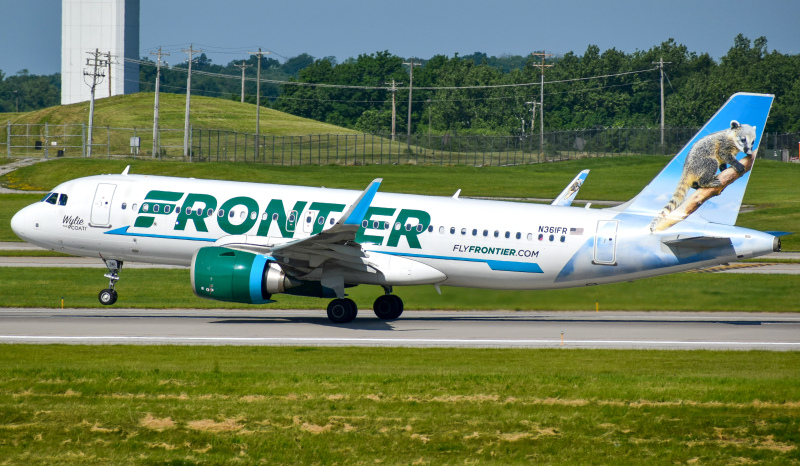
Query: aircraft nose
x=18, y=223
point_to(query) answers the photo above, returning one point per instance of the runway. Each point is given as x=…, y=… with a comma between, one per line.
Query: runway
x=483, y=329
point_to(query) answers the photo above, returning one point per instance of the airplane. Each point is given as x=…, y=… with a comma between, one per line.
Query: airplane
x=248, y=242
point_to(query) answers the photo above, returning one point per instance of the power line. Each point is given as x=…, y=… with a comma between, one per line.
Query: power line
x=411, y=66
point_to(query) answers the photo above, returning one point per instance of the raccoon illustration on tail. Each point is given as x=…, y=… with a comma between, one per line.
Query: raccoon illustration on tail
x=715, y=151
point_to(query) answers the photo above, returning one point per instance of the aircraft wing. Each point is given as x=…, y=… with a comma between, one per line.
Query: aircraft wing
x=568, y=194
x=319, y=256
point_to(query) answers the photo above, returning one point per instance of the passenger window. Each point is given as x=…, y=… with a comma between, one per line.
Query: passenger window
x=263, y=216
x=321, y=220
x=419, y=228
x=485, y=232
x=496, y=234
x=332, y=221
x=474, y=232
x=51, y=199
x=397, y=225
x=167, y=208
x=441, y=230
x=408, y=227
x=188, y=211
x=62, y=200
x=430, y=228
x=530, y=236
x=210, y=213
x=274, y=217
x=134, y=207
x=253, y=215
x=231, y=214
x=519, y=235
x=463, y=231
x=563, y=238
x=508, y=234
x=292, y=216
x=365, y=223
x=124, y=205
x=220, y=213
x=541, y=236
x=242, y=214
x=552, y=237
x=199, y=211
x=155, y=207
x=452, y=230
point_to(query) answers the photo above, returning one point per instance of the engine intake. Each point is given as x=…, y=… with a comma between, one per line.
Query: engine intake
x=224, y=274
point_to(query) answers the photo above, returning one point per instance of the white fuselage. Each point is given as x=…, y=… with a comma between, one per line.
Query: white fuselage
x=473, y=243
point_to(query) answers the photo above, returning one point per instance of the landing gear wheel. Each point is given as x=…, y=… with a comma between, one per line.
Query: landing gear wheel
x=342, y=311
x=107, y=297
x=388, y=307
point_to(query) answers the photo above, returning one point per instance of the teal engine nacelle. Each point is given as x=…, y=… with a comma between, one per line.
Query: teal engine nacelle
x=224, y=274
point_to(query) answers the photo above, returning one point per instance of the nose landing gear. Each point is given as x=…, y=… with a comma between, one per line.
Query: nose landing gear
x=108, y=296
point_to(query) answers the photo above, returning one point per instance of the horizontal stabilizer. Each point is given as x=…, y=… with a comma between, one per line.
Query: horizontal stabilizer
x=779, y=233
x=688, y=246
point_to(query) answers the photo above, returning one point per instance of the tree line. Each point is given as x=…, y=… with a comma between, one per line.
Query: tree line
x=695, y=86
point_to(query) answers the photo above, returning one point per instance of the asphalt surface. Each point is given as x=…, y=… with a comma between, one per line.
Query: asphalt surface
x=495, y=329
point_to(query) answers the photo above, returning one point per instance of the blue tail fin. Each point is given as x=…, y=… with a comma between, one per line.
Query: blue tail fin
x=677, y=183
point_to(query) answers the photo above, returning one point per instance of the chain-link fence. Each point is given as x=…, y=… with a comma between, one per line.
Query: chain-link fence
x=45, y=140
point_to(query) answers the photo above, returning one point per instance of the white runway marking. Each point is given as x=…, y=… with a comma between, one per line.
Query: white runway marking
x=383, y=341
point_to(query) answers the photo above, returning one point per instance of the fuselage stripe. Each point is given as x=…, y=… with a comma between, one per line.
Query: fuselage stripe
x=504, y=266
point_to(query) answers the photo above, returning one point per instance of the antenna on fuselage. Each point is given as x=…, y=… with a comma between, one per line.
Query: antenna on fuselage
x=125, y=172
x=455, y=196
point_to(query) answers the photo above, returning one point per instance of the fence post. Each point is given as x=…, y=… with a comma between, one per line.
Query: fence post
x=108, y=142
x=191, y=147
x=8, y=139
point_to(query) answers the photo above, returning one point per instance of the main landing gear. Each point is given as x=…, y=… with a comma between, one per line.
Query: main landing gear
x=386, y=307
x=108, y=296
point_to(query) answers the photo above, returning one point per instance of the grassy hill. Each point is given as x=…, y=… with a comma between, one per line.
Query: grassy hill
x=136, y=110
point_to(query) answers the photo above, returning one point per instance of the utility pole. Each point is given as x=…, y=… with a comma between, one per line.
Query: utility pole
x=95, y=62
x=186, y=152
x=243, y=66
x=533, y=113
x=159, y=54
x=394, y=106
x=541, y=66
x=16, y=96
x=429, y=123
x=259, y=54
x=411, y=65
x=109, y=62
x=661, y=64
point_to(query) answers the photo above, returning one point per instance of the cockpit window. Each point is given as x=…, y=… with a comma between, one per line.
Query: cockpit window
x=51, y=198
x=62, y=199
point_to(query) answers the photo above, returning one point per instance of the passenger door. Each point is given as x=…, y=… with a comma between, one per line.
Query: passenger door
x=101, y=207
x=605, y=242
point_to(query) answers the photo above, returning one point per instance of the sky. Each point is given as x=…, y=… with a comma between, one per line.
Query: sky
x=30, y=30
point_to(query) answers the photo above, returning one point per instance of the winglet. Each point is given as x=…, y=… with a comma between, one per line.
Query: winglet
x=358, y=210
x=568, y=194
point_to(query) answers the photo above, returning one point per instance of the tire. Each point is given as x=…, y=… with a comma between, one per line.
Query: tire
x=107, y=297
x=342, y=311
x=388, y=307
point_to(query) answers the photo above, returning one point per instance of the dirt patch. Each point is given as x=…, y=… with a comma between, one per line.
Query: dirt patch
x=71, y=393
x=155, y=423
x=252, y=398
x=209, y=425
x=335, y=397
x=98, y=428
x=373, y=397
x=316, y=429
x=422, y=438
x=165, y=446
x=465, y=398
x=513, y=437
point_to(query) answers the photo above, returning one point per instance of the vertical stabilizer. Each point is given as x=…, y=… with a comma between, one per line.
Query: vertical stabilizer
x=692, y=186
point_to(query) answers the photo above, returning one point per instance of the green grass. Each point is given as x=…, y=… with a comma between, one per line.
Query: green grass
x=136, y=111
x=286, y=405
x=32, y=253
x=165, y=288
x=10, y=204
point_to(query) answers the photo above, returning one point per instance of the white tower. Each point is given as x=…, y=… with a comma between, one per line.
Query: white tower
x=109, y=26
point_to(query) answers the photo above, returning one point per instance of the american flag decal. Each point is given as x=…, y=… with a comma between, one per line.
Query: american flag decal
x=576, y=231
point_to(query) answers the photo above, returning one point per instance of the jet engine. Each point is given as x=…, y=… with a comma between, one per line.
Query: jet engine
x=224, y=274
